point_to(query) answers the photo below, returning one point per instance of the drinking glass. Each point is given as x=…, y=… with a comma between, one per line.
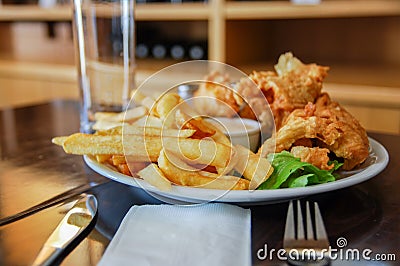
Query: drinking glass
x=105, y=43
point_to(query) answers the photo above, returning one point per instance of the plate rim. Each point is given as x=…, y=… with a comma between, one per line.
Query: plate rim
x=181, y=194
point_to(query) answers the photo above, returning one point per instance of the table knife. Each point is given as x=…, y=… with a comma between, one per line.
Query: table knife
x=63, y=197
x=78, y=222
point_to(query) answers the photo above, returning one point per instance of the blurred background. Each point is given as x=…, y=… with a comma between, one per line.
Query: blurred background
x=358, y=39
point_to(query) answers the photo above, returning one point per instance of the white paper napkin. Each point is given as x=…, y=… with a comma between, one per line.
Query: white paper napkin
x=208, y=234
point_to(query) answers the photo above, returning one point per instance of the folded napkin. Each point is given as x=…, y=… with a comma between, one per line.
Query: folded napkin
x=207, y=234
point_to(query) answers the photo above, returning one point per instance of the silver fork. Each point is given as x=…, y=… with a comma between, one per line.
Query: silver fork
x=312, y=249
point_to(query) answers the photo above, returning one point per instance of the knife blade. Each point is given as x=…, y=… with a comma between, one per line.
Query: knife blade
x=67, y=195
x=79, y=220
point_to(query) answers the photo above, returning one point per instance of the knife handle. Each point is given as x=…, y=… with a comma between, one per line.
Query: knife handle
x=47, y=256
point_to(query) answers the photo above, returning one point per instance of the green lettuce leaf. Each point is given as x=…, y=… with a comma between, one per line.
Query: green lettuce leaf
x=290, y=172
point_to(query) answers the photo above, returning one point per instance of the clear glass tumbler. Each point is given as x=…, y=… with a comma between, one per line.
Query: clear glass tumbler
x=104, y=37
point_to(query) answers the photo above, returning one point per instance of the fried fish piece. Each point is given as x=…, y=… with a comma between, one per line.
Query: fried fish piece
x=255, y=104
x=329, y=125
x=292, y=86
x=353, y=143
x=215, y=97
x=315, y=156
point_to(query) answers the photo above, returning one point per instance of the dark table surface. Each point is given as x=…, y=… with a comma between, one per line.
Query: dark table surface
x=32, y=169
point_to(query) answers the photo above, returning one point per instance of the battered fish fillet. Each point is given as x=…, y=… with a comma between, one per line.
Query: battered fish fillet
x=329, y=126
x=316, y=156
x=292, y=86
x=214, y=98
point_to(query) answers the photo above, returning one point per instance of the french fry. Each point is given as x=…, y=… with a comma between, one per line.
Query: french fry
x=202, y=151
x=134, y=165
x=104, y=116
x=186, y=177
x=129, y=115
x=166, y=104
x=137, y=96
x=142, y=99
x=149, y=121
x=165, y=109
x=154, y=176
x=59, y=140
x=203, y=127
x=141, y=147
x=231, y=163
x=102, y=158
x=124, y=169
x=219, y=136
x=108, y=120
x=118, y=159
x=105, y=125
x=148, y=102
x=148, y=147
x=80, y=143
x=147, y=131
x=132, y=115
x=226, y=182
x=253, y=167
x=185, y=121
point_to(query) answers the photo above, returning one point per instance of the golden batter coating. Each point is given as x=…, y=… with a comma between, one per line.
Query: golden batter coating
x=292, y=86
x=215, y=98
x=329, y=126
x=315, y=156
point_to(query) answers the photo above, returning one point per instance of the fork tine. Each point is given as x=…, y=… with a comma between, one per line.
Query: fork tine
x=310, y=231
x=320, y=232
x=300, y=227
x=316, y=239
x=289, y=227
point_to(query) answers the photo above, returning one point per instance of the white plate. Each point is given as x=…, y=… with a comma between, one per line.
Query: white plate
x=376, y=162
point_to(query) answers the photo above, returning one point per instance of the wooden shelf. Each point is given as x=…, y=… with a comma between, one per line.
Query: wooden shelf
x=39, y=71
x=67, y=73
x=34, y=13
x=144, y=12
x=231, y=10
x=381, y=94
x=364, y=95
x=165, y=11
x=327, y=9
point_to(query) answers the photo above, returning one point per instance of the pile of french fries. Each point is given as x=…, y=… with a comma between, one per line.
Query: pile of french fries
x=165, y=143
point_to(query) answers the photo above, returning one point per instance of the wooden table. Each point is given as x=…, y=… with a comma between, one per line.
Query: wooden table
x=33, y=169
